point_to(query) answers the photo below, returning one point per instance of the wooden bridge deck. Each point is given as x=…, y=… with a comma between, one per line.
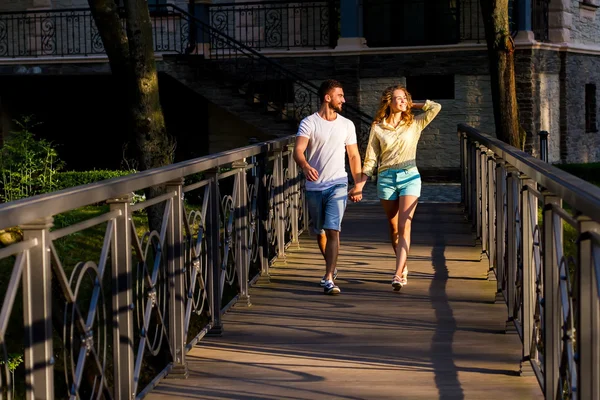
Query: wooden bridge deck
x=441, y=337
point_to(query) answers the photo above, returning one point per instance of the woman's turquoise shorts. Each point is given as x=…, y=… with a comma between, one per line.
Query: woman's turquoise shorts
x=392, y=183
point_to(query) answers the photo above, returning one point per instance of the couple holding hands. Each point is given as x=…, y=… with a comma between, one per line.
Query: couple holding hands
x=322, y=141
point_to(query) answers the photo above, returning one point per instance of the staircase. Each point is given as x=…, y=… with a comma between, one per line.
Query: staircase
x=244, y=82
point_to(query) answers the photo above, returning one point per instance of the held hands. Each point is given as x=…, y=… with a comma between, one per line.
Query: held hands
x=355, y=194
x=310, y=173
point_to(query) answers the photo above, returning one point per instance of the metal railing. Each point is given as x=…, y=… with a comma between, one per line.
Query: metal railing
x=73, y=32
x=285, y=93
x=260, y=25
x=114, y=325
x=278, y=25
x=540, y=229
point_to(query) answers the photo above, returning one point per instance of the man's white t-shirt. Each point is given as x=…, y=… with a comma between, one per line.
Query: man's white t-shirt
x=326, y=151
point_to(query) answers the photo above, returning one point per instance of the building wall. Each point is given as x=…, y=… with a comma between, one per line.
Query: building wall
x=585, y=27
x=580, y=69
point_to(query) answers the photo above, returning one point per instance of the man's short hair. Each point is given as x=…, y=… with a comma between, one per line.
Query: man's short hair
x=326, y=87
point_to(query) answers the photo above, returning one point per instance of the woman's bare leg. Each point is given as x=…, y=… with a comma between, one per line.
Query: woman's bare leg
x=406, y=210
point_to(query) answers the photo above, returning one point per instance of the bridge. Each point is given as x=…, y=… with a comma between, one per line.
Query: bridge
x=221, y=299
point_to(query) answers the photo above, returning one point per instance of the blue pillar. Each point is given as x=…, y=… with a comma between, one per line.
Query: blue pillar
x=351, y=18
x=351, y=21
x=523, y=15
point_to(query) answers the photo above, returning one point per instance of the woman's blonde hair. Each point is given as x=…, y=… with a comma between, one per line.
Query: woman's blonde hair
x=384, y=110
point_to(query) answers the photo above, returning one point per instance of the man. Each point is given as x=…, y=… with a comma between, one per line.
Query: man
x=326, y=136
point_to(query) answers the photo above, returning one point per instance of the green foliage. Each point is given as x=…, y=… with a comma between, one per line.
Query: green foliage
x=27, y=165
x=69, y=179
x=14, y=360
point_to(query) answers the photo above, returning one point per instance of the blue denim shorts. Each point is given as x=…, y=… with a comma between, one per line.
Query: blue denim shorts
x=392, y=183
x=326, y=208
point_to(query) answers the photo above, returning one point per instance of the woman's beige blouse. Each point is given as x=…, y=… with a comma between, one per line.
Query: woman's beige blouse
x=396, y=148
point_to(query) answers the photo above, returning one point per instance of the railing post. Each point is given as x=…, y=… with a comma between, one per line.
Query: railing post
x=278, y=179
x=122, y=299
x=463, y=168
x=478, y=190
x=263, y=218
x=242, y=206
x=588, y=314
x=177, y=271
x=528, y=222
x=468, y=186
x=499, y=259
x=473, y=198
x=295, y=197
x=37, y=312
x=213, y=237
x=491, y=214
x=512, y=208
x=543, y=145
x=484, y=199
x=552, y=321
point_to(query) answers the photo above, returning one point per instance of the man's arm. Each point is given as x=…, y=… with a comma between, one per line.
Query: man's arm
x=300, y=146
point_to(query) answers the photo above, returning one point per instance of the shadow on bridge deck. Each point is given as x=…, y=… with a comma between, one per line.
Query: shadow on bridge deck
x=441, y=337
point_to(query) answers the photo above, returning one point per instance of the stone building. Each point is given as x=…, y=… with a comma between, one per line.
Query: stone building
x=434, y=47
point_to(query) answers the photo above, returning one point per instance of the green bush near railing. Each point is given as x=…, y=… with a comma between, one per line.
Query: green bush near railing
x=28, y=165
x=69, y=179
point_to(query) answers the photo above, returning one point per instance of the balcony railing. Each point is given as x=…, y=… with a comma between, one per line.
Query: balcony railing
x=261, y=25
x=278, y=25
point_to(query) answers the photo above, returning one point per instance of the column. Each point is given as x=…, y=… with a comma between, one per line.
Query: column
x=525, y=32
x=351, y=21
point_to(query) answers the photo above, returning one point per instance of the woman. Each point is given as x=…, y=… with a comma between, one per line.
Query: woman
x=392, y=149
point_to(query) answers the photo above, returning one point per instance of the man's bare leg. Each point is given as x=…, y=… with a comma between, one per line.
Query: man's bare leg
x=322, y=242
x=332, y=250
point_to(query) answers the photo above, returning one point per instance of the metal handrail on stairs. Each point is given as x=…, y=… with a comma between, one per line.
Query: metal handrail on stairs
x=264, y=80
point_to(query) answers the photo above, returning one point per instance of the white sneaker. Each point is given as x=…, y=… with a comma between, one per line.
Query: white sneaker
x=335, y=272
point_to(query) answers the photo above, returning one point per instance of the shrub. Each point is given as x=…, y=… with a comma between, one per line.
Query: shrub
x=69, y=179
x=27, y=165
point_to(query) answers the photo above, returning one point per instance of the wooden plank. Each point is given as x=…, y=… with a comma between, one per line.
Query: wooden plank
x=440, y=337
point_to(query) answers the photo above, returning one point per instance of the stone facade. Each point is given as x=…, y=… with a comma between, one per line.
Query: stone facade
x=580, y=146
x=585, y=26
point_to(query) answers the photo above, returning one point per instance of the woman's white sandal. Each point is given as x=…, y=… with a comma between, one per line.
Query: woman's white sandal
x=397, y=283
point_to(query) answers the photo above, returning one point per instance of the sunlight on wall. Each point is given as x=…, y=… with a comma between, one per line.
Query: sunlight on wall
x=549, y=90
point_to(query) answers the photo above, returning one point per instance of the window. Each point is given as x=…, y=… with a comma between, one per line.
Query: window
x=430, y=87
x=590, y=108
x=410, y=22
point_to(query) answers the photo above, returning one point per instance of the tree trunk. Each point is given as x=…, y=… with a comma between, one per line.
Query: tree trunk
x=131, y=58
x=501, y=48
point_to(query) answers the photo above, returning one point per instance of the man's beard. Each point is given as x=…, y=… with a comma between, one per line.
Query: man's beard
x=337, y=109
